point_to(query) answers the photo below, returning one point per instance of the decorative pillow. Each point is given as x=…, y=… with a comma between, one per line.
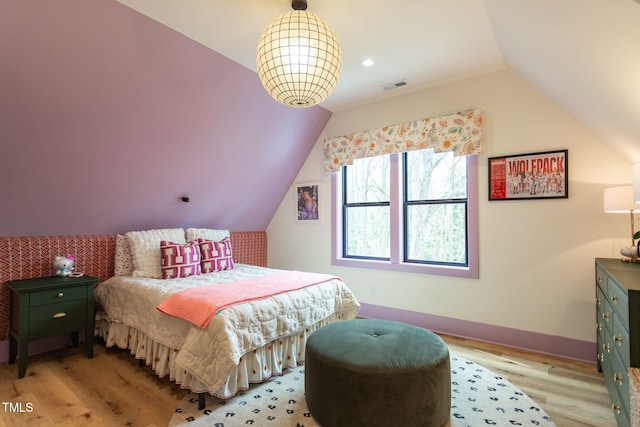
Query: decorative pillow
x=178, y=260
x=215, y=256
x=207, y=234
x=145, y=249
x=123, y=264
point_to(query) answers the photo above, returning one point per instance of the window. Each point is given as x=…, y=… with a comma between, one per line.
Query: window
x=414, y=211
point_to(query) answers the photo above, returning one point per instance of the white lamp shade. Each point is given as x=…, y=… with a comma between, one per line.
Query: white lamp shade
x=299, y=59
x=619, y=200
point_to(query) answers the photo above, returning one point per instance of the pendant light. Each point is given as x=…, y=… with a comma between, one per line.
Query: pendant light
x=299, y=58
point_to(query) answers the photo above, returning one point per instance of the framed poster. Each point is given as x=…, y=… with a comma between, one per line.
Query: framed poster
x=529, y=176
x=307, y=197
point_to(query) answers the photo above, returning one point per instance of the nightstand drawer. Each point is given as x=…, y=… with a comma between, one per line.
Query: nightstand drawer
x=55, y=296
x=58, y=318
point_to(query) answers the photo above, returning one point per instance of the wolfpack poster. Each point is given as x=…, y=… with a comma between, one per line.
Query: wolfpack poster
x=529, y=176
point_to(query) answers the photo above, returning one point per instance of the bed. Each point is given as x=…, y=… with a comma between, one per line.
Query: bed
x=239, y=343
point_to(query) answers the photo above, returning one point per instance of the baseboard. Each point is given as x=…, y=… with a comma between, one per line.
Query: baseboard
x=569, y=348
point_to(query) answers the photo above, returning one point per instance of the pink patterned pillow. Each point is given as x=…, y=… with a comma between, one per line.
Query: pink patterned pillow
x=216, y=256
x=178, y=260
x=123, y=261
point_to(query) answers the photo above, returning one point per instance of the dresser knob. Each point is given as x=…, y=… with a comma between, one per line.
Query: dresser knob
x=614, y=299
x=598, y=301
x=60, y=294
x=600, y=357
x=618, y=339
x=606, y=347
x=59, y=315
x=606, y=316
x=617, y=378
x=598, y=326
x=615, y=407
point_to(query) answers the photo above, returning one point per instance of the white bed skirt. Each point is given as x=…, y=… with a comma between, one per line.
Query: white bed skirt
x=254, y=366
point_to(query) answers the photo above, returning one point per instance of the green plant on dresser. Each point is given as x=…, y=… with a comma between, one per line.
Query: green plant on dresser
x=46, y=307
x=618, y=329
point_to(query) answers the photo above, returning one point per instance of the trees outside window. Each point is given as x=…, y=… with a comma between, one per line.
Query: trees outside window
x=414, y=211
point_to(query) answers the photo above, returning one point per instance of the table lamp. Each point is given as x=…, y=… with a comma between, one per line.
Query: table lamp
x=620, y=200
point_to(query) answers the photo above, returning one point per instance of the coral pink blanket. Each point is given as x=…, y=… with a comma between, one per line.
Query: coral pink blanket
x=199, y=305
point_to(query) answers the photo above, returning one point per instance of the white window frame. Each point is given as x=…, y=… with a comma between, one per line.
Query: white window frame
x=470, y=271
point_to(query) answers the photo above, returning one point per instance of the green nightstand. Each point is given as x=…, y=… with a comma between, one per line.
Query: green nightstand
x=46, y=307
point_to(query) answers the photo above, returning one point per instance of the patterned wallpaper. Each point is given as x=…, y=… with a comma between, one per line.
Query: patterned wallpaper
x=28, y=257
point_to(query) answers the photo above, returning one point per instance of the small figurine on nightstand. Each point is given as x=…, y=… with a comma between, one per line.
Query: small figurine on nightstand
x=63, y=265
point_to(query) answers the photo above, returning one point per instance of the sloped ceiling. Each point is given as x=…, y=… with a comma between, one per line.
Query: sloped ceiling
x=582, y=54
x=108, y=118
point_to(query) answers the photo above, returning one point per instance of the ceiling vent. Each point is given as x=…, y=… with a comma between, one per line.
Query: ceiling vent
x=394, y=85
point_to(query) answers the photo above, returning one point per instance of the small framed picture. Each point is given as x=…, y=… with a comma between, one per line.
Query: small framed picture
x=307, y=199
x=542, y=175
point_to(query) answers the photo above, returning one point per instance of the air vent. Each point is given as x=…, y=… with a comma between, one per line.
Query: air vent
x=394, y=85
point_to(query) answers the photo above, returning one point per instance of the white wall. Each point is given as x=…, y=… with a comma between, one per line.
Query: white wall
x=536, y=256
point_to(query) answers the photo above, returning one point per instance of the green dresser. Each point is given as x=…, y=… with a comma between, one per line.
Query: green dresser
x=618, y=329
x=46, y=307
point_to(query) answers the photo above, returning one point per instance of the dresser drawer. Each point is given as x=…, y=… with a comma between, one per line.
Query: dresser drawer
x=606, y=317
x=58, y=318
x=619, y=381
x=600, y=297
x=55, y=296
x=600, y=277
x=604, y=349
x=619, y=300
x=620, y=339
x=619, y=404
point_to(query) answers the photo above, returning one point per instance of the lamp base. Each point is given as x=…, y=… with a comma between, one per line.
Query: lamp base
x=631, y=252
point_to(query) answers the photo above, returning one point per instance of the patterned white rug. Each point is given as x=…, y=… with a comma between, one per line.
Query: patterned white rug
x=479, y=397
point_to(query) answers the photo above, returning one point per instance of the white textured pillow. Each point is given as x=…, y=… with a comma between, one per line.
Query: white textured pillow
x=123, y=264
x=207, y=234
x=145, y=249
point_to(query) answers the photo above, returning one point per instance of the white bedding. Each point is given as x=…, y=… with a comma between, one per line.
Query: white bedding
x=208, y=356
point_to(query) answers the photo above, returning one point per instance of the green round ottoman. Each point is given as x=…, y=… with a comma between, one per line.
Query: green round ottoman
x=365, y=373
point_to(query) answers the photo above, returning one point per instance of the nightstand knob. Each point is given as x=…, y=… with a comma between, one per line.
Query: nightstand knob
x=598, y=301
x=617, y=339
x=598, y=326
x=606, y=316
x=606, y=347
x=615, y=407
x=600, y=357
x=60, y=294
x=59, y=315
x=614, y=299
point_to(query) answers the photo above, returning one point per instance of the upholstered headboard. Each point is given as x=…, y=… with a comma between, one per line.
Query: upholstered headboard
x=28, y=257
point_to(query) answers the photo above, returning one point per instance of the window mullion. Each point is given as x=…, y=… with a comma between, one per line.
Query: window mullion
x=396, y=208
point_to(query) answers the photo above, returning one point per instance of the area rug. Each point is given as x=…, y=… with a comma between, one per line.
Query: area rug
x=479, y=397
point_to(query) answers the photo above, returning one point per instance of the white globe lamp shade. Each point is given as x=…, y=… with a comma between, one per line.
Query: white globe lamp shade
x=299, y=59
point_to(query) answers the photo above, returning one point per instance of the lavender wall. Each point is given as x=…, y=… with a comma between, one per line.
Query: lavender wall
x=107, y=118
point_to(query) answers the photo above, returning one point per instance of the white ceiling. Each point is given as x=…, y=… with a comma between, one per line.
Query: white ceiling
x=583, y=54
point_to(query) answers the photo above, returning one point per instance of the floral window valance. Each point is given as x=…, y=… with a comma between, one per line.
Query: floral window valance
x=459, y=132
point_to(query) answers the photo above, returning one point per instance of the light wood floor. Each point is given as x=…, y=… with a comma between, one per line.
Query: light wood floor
x=65, y=388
